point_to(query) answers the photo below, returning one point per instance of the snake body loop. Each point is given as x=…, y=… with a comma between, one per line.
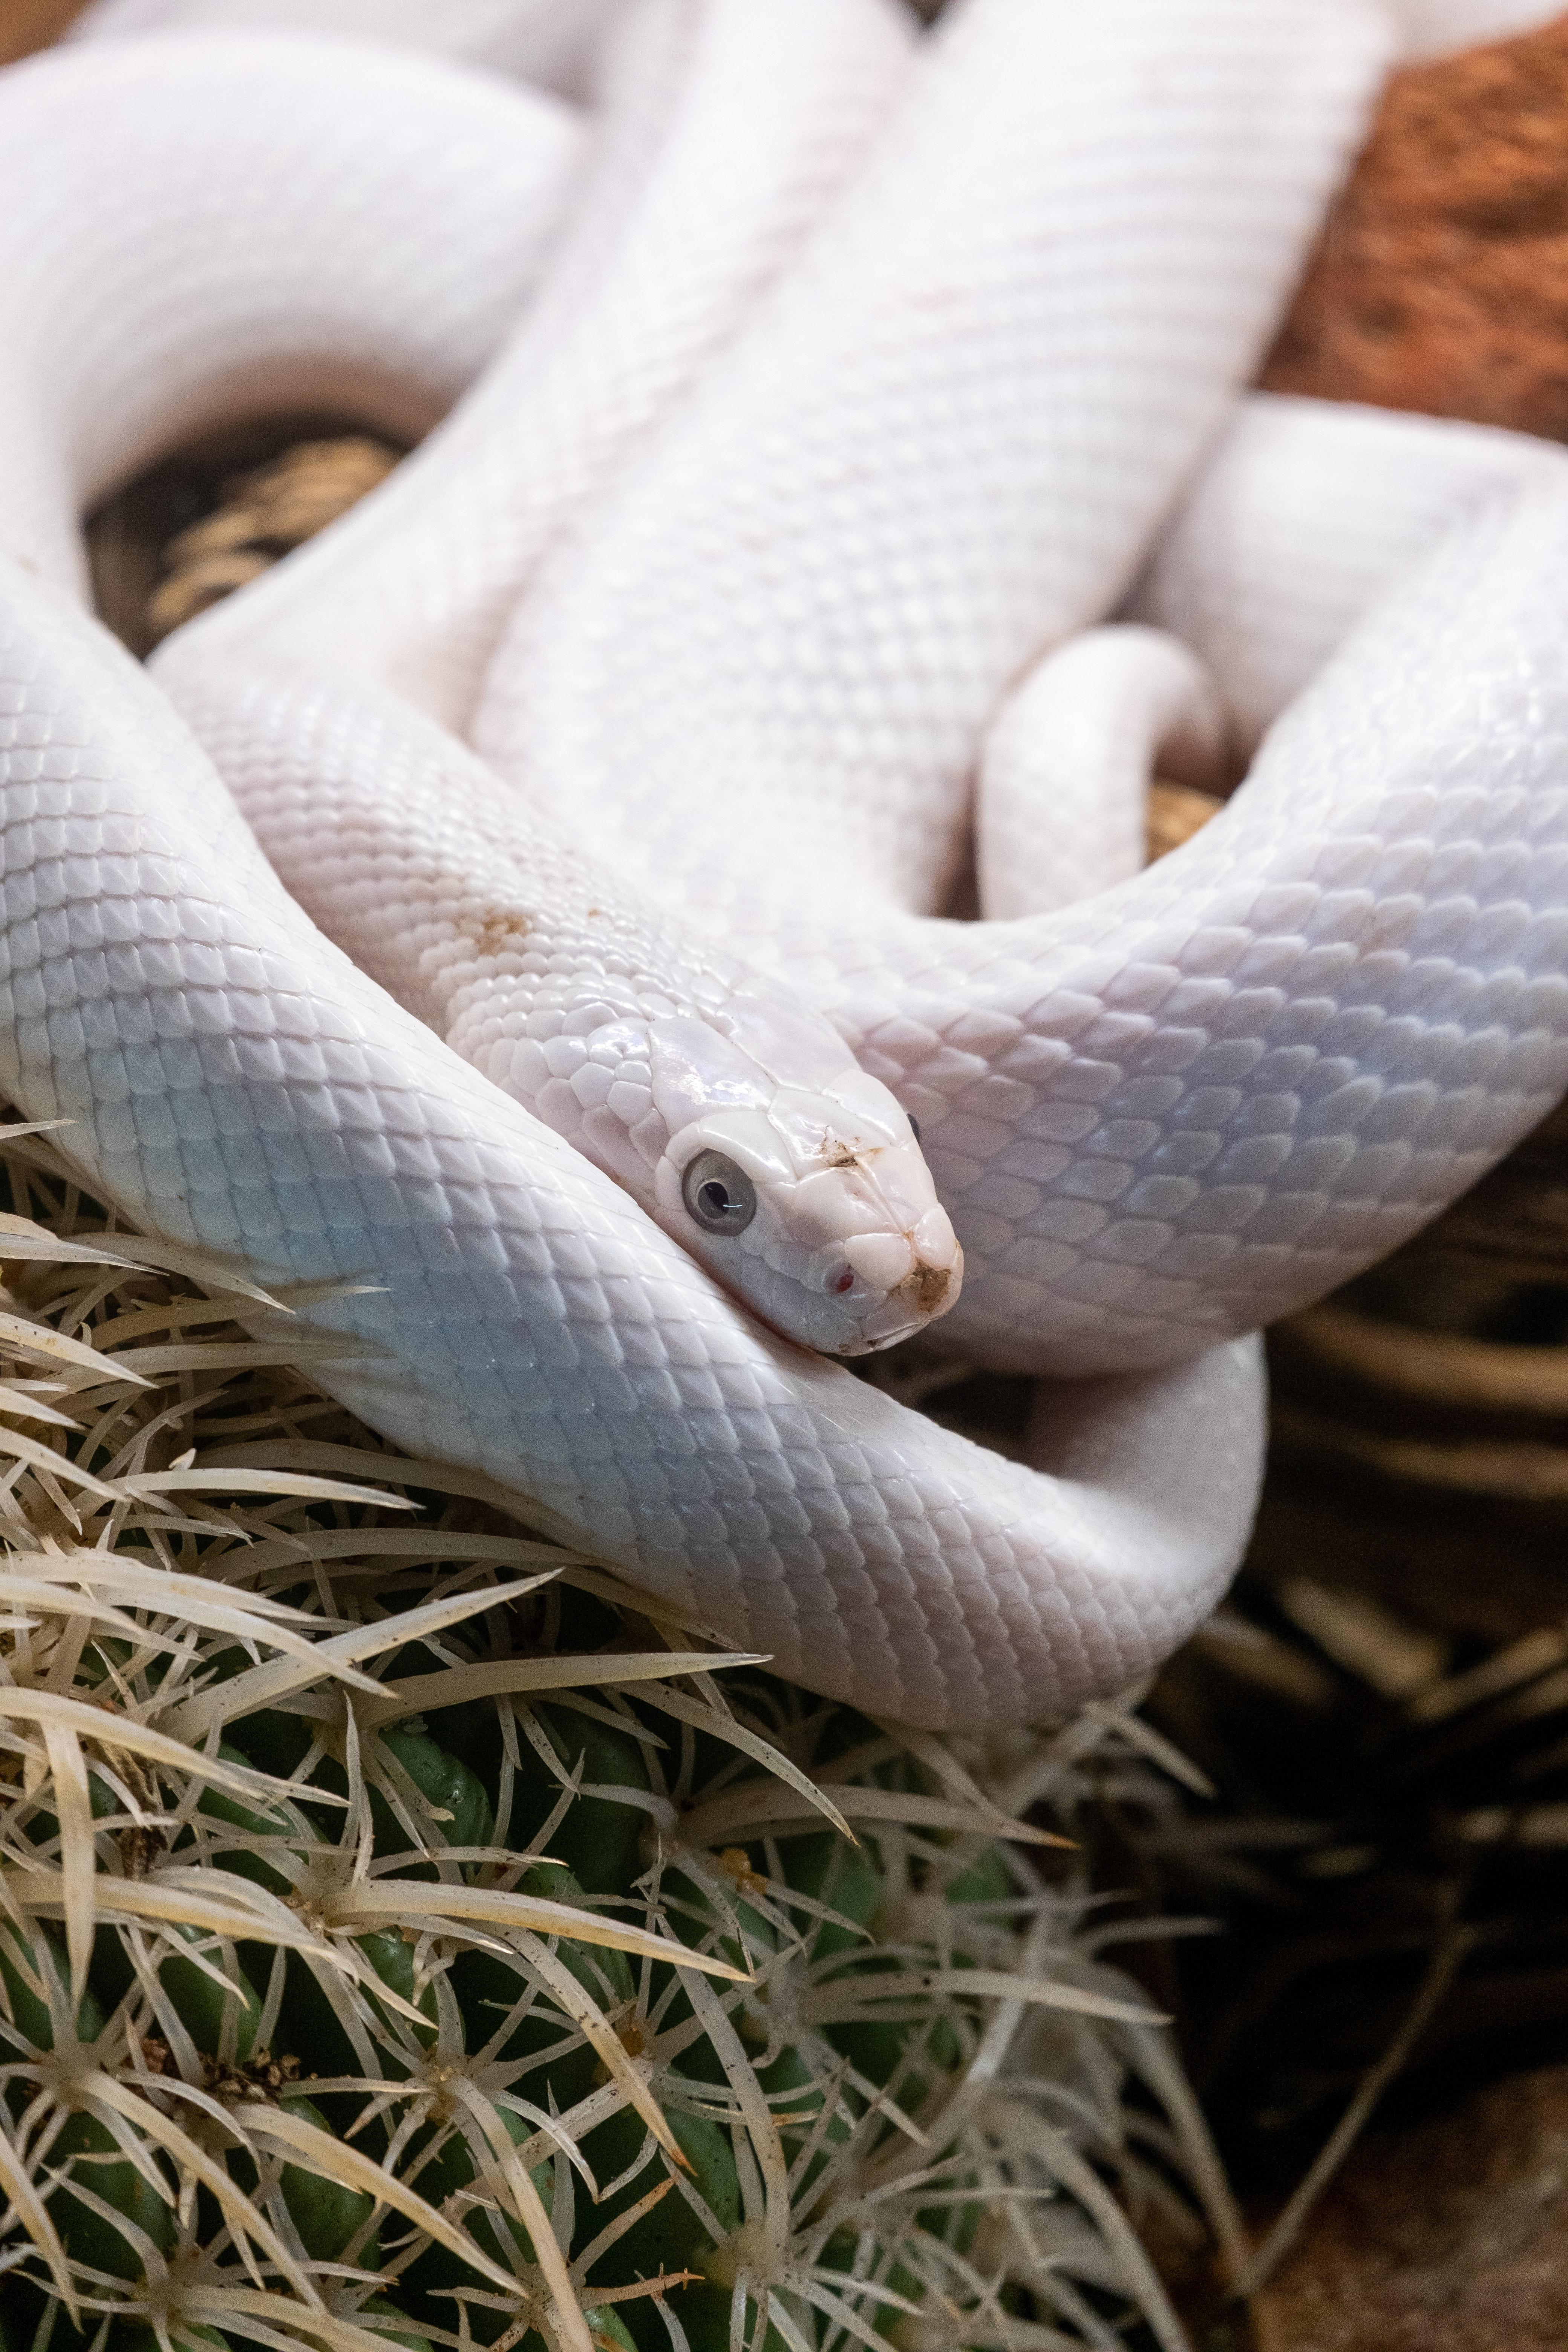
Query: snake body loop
x=743, y=533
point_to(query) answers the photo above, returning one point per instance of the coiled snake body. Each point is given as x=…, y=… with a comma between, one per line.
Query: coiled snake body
x=811, y=438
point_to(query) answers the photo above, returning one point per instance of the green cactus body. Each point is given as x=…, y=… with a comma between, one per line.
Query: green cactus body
x=846, y=1877
x=600, y=1840
x=308, y=2026
x=486, y=1987
x=39, y=1957
x=606, y=1838
x=204, y=2007
x=218, y=1805
x=328, y=2216
x=306, y=2021
x=445, y=1781
x=87, y=2236
x=600, y=1847
x=671, y=2236
x=428, y=2285
x=90, y=2237
x=275, y=1741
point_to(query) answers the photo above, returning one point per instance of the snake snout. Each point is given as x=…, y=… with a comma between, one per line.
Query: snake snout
x=899, y=1282
x=926, y=1279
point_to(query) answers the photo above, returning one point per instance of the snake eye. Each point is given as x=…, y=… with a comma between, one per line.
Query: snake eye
x=719, y=1196
x=914, y=1125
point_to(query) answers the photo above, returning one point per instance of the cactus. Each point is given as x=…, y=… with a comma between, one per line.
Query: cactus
x=408, y=1935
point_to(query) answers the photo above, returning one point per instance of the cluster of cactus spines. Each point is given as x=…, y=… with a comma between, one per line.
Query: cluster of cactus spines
x=408, y=1936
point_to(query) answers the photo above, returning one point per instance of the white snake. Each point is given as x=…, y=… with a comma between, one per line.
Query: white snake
x=737, y=546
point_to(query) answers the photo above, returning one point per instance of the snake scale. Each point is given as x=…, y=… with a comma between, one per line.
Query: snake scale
x=483, y=910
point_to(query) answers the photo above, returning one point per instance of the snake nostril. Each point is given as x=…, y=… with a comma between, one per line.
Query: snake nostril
x=842, y=1281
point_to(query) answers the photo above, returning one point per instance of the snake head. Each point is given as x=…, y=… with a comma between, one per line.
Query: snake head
x=799, y=1182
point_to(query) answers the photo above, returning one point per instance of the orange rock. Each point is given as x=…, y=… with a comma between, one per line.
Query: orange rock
x=1441, y=279
x=28, y=24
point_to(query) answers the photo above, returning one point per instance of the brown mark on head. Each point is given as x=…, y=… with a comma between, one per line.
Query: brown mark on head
x=503, y=927
x=926, y=1286
x=837, y=1154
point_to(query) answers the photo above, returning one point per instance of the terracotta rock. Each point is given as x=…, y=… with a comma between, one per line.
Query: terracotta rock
x=28, y=24
x=1450, y=2237
x=1441, y=279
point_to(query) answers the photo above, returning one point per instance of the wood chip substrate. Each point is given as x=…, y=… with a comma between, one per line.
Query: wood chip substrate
x=1451, y=2238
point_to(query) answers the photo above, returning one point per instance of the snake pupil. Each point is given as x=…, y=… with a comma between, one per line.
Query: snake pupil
x=719, y=1196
